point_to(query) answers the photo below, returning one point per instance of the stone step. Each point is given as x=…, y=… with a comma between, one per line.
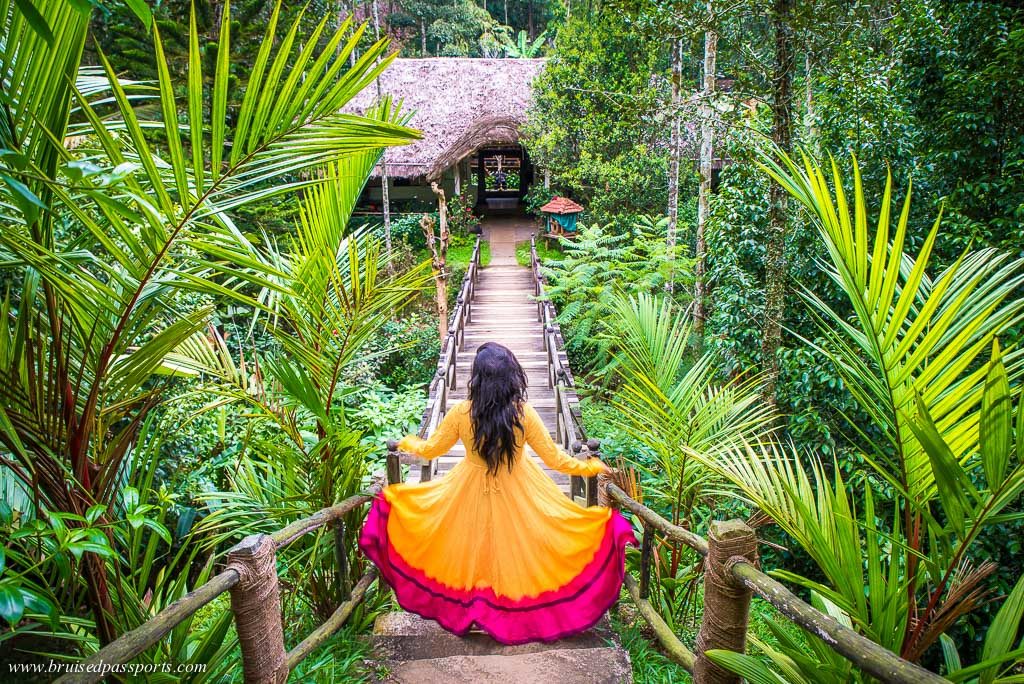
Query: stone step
x=404, y=636
x=556, y=666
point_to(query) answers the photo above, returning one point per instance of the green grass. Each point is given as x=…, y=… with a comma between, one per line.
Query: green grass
x=650, y=665
x=544, y=252
x=458, y=257
x=462, y=254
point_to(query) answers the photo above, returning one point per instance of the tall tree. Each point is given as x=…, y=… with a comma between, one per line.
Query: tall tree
x=707, y=134
x=674, y=150
x=775, y=256
x=385, y=199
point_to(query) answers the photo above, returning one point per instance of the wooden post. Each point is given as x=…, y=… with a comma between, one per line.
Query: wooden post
x=576, y=483
x=256, y=603
x=394, y=465
x=646, y=554
x=590, y=484
x=450, y=371
x=344, y=585
x=726, y=600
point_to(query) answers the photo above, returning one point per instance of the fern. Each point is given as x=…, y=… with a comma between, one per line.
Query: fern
x=630, y=258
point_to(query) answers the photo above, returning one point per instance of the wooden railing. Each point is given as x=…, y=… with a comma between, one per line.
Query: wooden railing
x=444, y=379
x=251, y=578
x=731, y=578
x=569, y=433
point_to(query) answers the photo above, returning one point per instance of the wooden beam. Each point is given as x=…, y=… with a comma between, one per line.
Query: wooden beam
x=149, y=633
x=870, y=657
x=674, y=648
x=673, y=532
x=322, y=633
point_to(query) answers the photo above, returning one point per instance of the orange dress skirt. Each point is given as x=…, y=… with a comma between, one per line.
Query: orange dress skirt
x=509, y=553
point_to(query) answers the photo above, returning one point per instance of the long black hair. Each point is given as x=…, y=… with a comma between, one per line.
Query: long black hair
x=497, y=390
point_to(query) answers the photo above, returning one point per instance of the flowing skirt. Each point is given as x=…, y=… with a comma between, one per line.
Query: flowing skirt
x=509, y=554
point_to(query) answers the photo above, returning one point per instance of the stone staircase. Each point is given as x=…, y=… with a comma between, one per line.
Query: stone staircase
x=411, y=650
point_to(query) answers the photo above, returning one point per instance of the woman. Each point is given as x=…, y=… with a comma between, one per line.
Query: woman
x=494, y=543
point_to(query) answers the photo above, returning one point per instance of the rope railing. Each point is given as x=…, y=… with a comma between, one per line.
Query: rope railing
x=569, y=433
x=731, y=577
x=251, y=578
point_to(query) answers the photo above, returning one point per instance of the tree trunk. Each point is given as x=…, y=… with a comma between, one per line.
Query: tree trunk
x=775, y=257
x=351, y=55
x=673, y=158
x=385, y=199
x=439, y=251
x=423, y=37
x=707, y=135
x=810, y=126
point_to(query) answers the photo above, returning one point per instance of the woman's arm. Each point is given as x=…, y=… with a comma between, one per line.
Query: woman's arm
x=539, y=439
x=439, y=443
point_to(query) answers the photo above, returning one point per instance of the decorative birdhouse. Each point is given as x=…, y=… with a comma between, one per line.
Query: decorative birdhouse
x=560, y=216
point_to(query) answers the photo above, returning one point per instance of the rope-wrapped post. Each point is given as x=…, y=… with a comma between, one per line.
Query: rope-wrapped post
x=256, y=603
x=603, y=480
x=394, y=463
x=726, y=599
x=590, y=484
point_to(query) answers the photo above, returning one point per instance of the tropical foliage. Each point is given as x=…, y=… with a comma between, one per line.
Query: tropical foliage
x=117, y=243
x=942, y=458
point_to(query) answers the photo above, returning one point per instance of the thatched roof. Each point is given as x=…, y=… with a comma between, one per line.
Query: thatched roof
x=460, y=105
x=561, y=205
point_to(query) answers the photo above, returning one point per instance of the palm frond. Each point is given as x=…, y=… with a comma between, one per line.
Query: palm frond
x=912, y=334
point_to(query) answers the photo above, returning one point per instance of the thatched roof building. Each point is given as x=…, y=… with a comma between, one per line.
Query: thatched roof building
x=460, y=105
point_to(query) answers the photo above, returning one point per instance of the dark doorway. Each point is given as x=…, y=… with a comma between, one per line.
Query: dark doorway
x=503, y=176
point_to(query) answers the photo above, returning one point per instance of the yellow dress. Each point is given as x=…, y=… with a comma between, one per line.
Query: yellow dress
x=508, y=553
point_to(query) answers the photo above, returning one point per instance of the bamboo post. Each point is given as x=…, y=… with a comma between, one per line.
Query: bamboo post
x=394, y=464
x=256, y=603
x=726, y=599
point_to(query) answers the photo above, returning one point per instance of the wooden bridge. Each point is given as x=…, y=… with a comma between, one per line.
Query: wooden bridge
x=507, y=304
